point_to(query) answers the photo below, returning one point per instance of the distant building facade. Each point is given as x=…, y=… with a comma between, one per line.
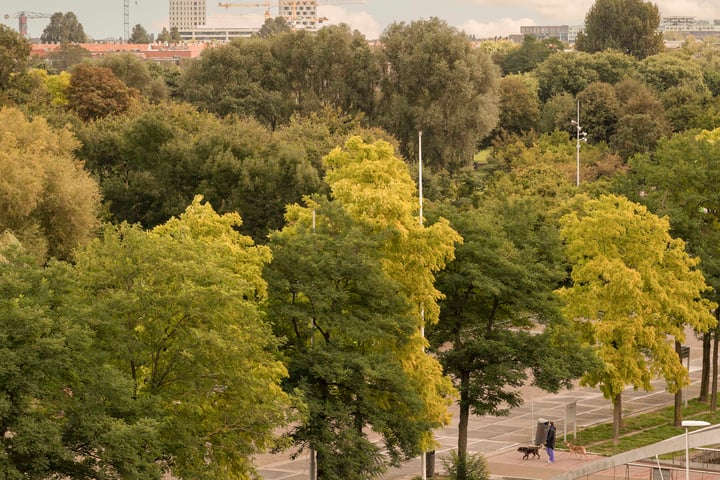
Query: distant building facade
x=300, y=14
x=221, y=35
x=188, y=14
x=564, y=33
x=690, y=26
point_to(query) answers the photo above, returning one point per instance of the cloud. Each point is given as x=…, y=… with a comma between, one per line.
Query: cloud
x=229, y=20
x=361, y=21
x=499, y=28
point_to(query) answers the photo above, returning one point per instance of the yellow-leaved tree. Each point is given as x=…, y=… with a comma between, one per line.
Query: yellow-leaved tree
x=634, y=290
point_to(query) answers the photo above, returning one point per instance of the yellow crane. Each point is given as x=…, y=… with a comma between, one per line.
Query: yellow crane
x=266, y=4
x=289, y=10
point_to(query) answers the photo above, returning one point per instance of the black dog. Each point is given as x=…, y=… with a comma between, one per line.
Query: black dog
x=530, y=450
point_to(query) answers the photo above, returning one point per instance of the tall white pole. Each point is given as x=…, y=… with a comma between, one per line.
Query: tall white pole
x=577, y=146
x=687, y=456
x=423, y=466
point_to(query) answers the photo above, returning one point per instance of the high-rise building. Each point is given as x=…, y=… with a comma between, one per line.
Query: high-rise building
x=300, y=14
x=188, y=14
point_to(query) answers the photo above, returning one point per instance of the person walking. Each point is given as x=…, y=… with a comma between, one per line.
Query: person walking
x=550, y=443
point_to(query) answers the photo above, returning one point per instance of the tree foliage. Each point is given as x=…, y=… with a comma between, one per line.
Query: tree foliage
x=65, y=413
x=14, y=53
x=629, y=26
x=498, y=298
x=348, y=282
x=64, y=28
x=47, y=200
x=95, y=92
x=634, y=289
x=208, y=377
x=435, y=82
x=139, y=35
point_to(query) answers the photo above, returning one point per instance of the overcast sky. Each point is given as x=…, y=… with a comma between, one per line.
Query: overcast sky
x=103, y=19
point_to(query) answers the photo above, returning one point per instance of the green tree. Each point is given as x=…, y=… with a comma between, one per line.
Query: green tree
x=629, y=26
x=67, y=56
x=599, y=111
x=671, y=69
x=519, y=105
x=349, y=280
x=14, y=54
x=498, y=295
x=139, y=35
x=177, y=310
x=164, y=36
x=436, y=82
x=47, y=200
x=634, y=290
x=528, y=55
x=274, y=26
x=677, y=179
x=152, y=164
x=95, y=92
x=136, y=73
x=64, y=28
x=175, y=35
x=565, y=73
x=64, y=412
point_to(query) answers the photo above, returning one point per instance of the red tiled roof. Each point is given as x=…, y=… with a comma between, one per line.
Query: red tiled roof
x=141, y=49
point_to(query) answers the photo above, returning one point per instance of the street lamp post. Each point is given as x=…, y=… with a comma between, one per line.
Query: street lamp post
x=687, y=424
x=580, y=137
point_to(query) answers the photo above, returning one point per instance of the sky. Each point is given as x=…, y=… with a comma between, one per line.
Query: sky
x=104, y=19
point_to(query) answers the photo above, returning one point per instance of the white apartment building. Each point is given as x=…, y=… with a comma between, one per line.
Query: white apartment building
x=188, y=14
x=300, y=14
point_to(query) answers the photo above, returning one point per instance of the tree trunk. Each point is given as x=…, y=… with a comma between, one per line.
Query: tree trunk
x=705, y=375
x=617, y=417
x=678, y=413
x=463, y=424
x=714, y=390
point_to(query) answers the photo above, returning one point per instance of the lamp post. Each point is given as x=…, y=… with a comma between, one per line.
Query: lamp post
x=687, y=424
x=580, y=137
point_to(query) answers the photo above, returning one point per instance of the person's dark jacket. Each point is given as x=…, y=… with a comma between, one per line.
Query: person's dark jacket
x=550, y=442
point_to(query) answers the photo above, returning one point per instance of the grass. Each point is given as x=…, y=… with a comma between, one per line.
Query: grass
x=643, y=429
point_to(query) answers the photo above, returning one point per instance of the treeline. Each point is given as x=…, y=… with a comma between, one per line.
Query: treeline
x=196, y=258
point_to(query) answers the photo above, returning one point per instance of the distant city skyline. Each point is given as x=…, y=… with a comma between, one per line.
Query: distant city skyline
x=104, y=19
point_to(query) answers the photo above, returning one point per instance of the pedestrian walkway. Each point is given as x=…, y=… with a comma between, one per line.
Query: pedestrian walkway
x=498, y=438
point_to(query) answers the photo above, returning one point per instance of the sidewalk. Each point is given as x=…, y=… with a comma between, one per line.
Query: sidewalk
x=497, y=438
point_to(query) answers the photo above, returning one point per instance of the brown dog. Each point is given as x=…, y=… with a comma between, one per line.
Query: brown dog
x=578, y=450
x=529, y=450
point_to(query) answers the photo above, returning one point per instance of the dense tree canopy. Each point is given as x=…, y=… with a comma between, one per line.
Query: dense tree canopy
x=634, y=289
x=14, y=52
x=630, y=26
x=435, y=82
x=95, y=92
x=64, y=28
x=348, y=283
x=208, y=377
x=47, y=200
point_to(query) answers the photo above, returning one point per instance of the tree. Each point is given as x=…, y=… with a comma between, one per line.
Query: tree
x=96, y=92
x=64, y=28
x=434, y=81
x=498, y=296
x=47, y=200
x=634, y=289
x=139, y=35
x=177, y=310
x=274, y=26
x=630, y=26
x=519, y=105
x=148, y=168
x=67, y=56
x=14, y=54
x=348, y=282
x=175, y=35
x=599, y=110
x=529, y=54
x=136, y=73
x=677, y=179
x=64, y=413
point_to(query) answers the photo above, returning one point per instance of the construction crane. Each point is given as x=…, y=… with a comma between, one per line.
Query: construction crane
x=23, y=18
x=266, y=5
x=301, y=17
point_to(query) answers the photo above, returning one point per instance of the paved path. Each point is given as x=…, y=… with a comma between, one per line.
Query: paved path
x=498, y=437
